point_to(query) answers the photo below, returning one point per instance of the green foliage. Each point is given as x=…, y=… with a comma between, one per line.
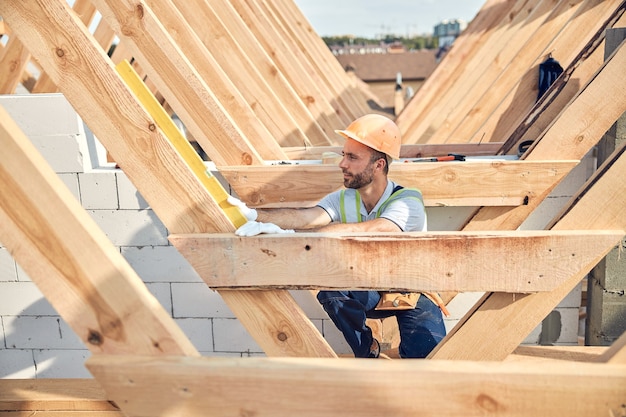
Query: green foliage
x=412, y=43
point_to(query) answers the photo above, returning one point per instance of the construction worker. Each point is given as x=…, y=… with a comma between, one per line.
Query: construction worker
x=372, y=142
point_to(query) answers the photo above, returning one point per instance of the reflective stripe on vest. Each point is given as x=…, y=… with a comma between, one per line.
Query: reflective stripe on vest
x=355, y=217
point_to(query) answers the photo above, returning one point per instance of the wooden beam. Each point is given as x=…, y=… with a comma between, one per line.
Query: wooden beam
x=527, y=261
x=291, y=61
x=252, y=70
x=469, y=183
x=481, y=70
x=406, y=151
x=217, y=116
x=452, y=67
x=54, y=395
x=353, y=387
x=600, y=203
x=616, y=353
x=91, y=84
x=576, y=130
x=597, y=18
x=72, y=261
x=13, y=60
x=561, y=353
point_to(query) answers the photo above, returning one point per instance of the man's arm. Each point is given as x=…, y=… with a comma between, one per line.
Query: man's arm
x=295, y=218
x=375, y=225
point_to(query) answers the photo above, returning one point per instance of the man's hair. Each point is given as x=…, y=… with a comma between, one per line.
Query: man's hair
x=376, y=155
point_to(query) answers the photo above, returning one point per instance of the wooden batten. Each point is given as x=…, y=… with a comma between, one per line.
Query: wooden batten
x=470, y=183
x=444, y=261
x=406, y=151
x=72, y=397
x=310, y=387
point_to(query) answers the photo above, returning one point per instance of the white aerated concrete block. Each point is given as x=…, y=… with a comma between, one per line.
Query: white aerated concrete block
x=71, y=182
x=131, y=227
x=17, y=364
x=42, y=114
x=309, y=304
x=62, y=153
x=162, y=293
x=98, y=190
x=160, y=264
x=129, y=197
x=23, y=298
x=198, y=300
x=230, y=336
x=61, y=363
x=39, y=332
x=199, y=332
x=8, y=268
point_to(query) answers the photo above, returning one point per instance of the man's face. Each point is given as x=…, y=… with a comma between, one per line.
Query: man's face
x=357, y=169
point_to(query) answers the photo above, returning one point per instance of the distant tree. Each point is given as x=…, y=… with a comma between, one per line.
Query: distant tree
x=411, y=44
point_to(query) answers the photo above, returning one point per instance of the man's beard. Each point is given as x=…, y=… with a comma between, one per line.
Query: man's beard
x=359, y=180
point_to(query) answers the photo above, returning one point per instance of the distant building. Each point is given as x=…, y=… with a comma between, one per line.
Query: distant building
x=380, y=71
x=447, y=31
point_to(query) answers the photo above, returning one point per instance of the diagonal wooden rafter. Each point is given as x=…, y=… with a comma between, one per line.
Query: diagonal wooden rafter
x=84, y=277
x=92, y=86
x=589, y=209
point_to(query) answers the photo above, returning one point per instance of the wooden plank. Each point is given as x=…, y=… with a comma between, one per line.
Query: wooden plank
x=290, y=61
x=522, y=93
x=13, y=60
x=469, y=183
x=616, y=353
x=60, y=395
x=72, y=261
x=601, y=203
x=247, y=64
x=547, y=109
x=406, y=151
x=577, y=129
x=217, y=116
x=63, y=413
x=309, y=84
x=180, y=143
x=527, y=261
x=561, y=353
x=285, y=386
x=296, y=30
x=203, y=39
x=86, y=10
x=524, y=39
x=130, y=135
x=482, y=69
x=93, y=87
x=452, y=68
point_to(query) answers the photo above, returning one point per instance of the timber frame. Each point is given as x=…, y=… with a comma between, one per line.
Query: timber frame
x=143, y=361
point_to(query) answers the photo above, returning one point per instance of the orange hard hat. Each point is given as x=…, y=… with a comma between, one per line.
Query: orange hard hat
x=377, y=132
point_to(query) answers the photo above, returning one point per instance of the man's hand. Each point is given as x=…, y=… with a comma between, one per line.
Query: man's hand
x=249, y=213
x=252, y=228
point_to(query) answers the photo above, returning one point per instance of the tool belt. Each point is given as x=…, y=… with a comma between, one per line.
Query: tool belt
x=407, y=301
x=397, y=300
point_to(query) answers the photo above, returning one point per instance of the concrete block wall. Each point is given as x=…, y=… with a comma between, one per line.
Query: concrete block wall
x=36, y=342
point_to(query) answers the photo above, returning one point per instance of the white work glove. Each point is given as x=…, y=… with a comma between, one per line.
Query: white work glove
x=252, y=228
x=249, y=213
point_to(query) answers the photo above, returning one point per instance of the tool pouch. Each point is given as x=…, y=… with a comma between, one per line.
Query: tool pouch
x=397, y=300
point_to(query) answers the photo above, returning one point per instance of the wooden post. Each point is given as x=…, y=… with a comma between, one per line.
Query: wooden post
x=606, y=283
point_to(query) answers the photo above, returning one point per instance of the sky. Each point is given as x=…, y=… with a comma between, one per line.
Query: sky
x=376, y=18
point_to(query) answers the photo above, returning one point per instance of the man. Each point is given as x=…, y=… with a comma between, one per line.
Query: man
x=372, y=142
